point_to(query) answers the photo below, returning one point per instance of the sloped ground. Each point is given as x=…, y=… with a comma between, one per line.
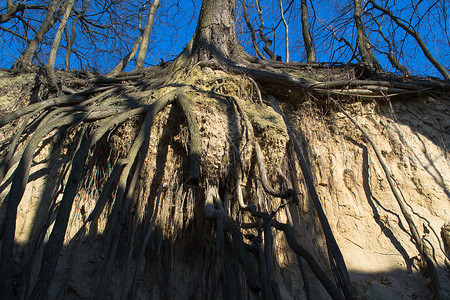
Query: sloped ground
x=413, y=137
x=411, y=133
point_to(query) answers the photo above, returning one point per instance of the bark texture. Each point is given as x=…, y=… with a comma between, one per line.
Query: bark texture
x=25, y=59
x=215, y=36
x=364, y=46
x=146, y=35
x=309, y=47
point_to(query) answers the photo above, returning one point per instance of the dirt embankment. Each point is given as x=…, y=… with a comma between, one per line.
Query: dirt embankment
x=413, y=136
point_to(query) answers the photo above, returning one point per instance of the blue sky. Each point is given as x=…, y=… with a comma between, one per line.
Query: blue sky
x=176, y=20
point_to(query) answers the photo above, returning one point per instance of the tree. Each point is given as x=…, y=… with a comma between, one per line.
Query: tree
x=13, y=9
x=141, y=41
x=252, y=30
x=53, y=14
x=310, y=52
x=416, y=36
x=214, y=37
x=227, y=207
x=146, y=35
x=74, y=34
x=267, y=41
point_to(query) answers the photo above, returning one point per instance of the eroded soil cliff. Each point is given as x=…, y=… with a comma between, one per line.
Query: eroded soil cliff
x=412, y=133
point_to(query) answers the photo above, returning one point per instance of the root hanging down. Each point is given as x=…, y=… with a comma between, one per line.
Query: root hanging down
x=194, y=143
x=335, y=255
x=213, y=211
x=166, y=178
x=420, y=246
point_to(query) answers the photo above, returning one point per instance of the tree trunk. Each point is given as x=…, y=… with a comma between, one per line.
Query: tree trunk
x=267, y=42
x=146, y=35
x=73, y=36
x=286, y=30
x=124, y=62
x=309, y=47
x=50, y=67
x=364, y=46
x=252, y=31
x=215, y=37
x=26, y=58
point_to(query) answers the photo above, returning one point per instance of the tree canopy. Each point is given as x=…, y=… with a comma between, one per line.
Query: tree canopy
x=401, y=36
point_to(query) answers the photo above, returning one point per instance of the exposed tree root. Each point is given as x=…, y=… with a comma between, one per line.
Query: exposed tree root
x=373, y=88
x=418, y=242
x=214, y=213
x=7, y=162
x=14, y=197
x=229, y=225
x=335, y=255
x=304, y=278
x=126, y=190
x=194, y=143
x=59, y=187
x=144, y=245
x=82, y=234
x=241, y=232
x=54, y=244
x=267, y=187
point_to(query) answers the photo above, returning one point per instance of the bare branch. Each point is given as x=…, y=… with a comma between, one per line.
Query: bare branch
x=286, y=27
x=416, y=36
x=309, y=47
x=252, y=31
